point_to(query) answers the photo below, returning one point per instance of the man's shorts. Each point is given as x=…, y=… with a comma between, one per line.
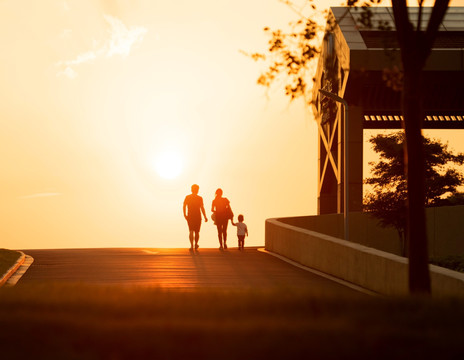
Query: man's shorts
x=194, y=223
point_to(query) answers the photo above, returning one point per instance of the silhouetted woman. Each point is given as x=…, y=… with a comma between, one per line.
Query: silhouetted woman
x=222, y=212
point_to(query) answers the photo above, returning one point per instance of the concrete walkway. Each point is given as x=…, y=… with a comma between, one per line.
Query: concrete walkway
x=174, y=268
x=19, y=270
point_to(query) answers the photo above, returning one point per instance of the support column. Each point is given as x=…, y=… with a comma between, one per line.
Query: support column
x=329, y=168
x=355, y=160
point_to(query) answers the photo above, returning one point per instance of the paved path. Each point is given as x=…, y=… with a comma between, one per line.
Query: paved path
x=173, y=268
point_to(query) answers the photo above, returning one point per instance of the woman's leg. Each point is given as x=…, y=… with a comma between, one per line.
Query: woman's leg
x=224, y=233
x=219, y=230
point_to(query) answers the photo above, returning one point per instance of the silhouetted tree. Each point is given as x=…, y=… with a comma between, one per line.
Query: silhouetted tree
x=387, y=200
x=415, y=42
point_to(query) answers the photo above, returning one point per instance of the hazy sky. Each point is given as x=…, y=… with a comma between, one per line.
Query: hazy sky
x=95, y=93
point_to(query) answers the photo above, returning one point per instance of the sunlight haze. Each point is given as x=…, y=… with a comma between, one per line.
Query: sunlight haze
x=111, y=110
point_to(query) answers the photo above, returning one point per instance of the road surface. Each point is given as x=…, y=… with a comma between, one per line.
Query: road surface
x=174, y=268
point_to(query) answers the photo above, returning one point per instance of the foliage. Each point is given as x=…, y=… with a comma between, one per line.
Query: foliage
x=388, y=173
x=292, y=53
x=455, y=262
x=387, y=200
x=454, y=199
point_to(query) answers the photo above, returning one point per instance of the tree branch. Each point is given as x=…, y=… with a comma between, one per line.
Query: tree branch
x=419, y=18
x=403, y=26
x=438, y=13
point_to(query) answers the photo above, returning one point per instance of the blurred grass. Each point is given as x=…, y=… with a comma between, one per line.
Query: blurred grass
x=55, y=321
x=7, y=259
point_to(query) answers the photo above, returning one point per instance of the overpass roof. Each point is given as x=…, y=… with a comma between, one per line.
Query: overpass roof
x=363, y=53
x=367, y=44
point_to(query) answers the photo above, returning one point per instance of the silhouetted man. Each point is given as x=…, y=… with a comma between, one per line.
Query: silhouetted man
x=194, y=204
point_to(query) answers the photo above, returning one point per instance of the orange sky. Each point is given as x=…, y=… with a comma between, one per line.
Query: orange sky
x=94, y=91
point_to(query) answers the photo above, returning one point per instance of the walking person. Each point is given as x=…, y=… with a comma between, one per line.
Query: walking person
x=222, y=212
x=193, y=208
x=242, y=231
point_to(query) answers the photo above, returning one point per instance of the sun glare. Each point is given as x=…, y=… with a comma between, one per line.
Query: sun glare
x=169, y=165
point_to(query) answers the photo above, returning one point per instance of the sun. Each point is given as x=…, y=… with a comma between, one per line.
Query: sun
x=169, y=164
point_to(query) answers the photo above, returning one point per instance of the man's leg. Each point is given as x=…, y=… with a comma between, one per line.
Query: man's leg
x=197, y=237
x=191, y=238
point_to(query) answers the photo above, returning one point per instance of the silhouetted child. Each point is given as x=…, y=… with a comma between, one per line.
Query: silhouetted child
x=242, y=230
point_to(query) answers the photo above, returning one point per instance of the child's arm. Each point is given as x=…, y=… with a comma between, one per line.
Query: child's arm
x=246, y=230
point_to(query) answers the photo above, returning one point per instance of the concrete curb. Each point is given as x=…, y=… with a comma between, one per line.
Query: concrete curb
x=321, y=274
x=13, y=269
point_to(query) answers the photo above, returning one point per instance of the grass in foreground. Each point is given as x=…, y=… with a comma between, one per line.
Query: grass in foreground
x=7, y=259
x=84, y=322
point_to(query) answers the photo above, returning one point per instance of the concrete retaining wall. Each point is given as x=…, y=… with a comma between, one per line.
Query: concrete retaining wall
x=370, y=268
x=445, y=232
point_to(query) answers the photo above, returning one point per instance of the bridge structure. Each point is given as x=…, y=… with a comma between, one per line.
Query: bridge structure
x=355, y=89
